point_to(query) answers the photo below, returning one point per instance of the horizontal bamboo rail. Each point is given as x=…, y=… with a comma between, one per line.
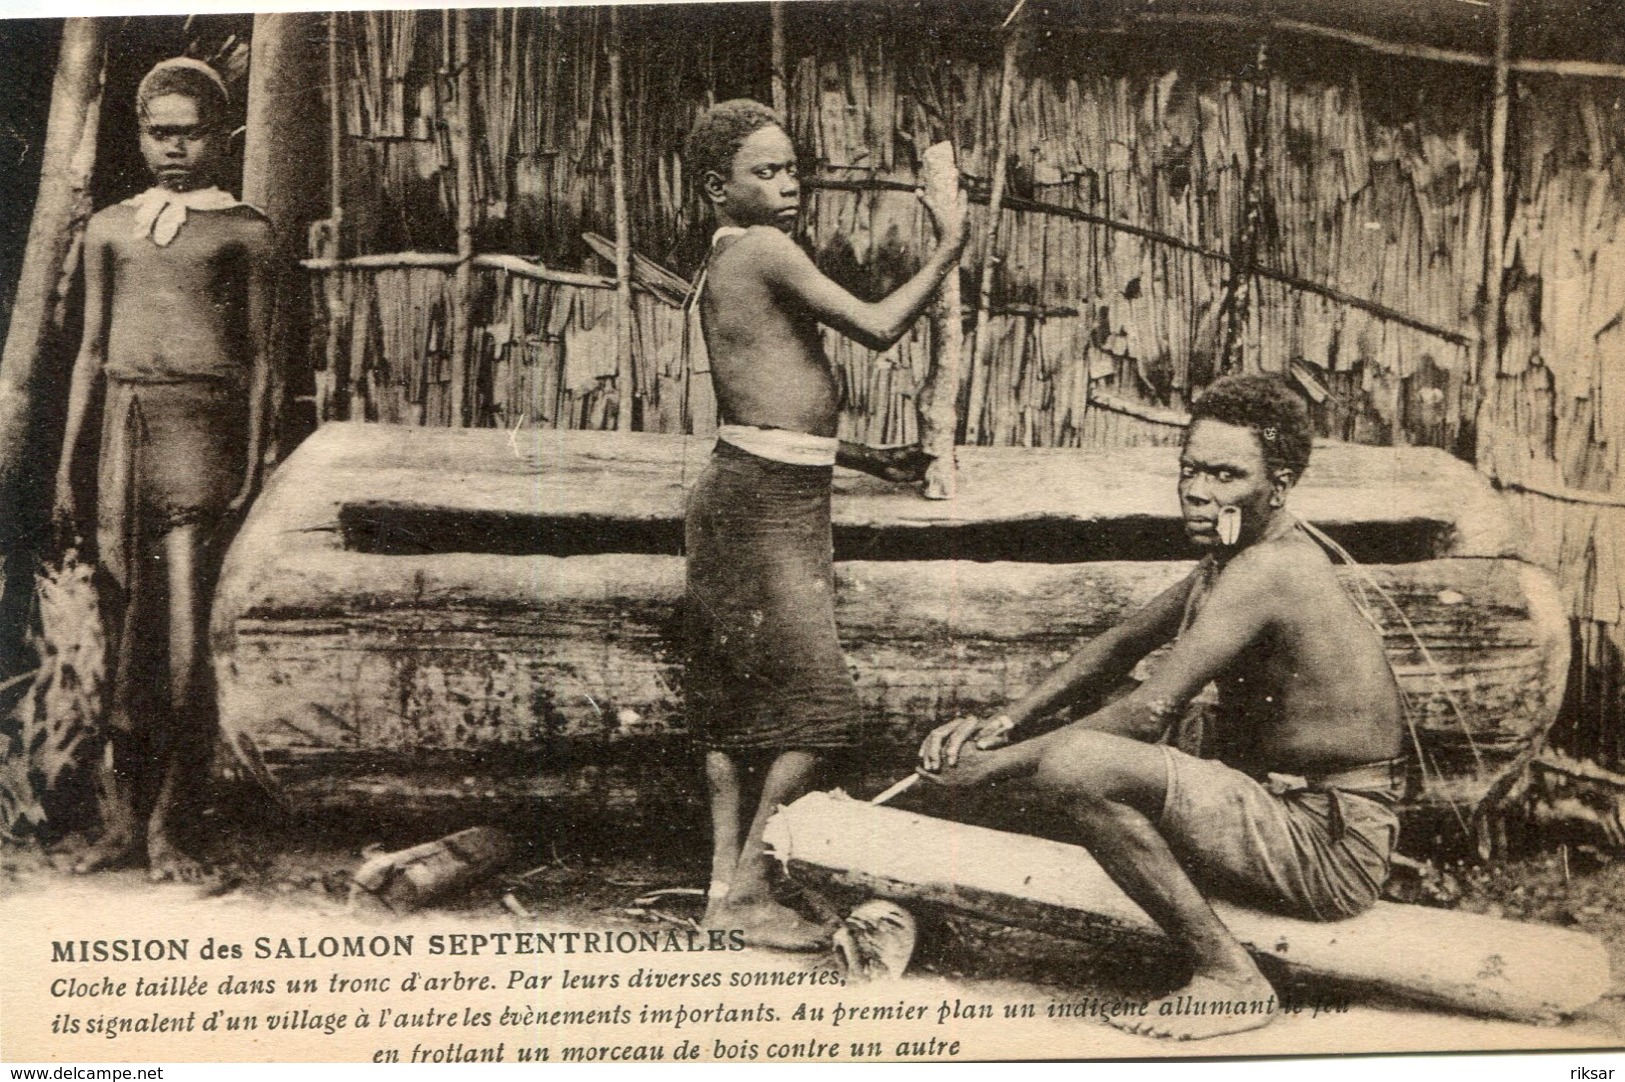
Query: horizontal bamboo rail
x=1034, y=206
x=513, y=264
x=1585, y=69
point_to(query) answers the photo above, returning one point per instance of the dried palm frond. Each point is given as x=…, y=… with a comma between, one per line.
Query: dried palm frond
x=58, y=723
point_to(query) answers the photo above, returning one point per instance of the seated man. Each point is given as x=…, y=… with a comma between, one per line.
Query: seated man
x=1295, y=811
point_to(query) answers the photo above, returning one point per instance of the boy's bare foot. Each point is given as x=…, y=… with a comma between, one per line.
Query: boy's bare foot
x=167, y=863
x=114, y=849
x=1245, y=1002
x=766, y=923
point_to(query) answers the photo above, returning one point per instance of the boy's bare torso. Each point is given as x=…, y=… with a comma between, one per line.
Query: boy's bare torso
x=180, y=309
x=1313, y=692
x=766, y=350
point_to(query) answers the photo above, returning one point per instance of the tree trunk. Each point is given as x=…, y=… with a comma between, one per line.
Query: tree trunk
x=282, y=153
x=28, y=445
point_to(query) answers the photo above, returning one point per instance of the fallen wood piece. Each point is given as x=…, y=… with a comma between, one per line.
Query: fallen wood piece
x=412, y=878
x=668, y=892
x=1458, y=961
x=939, y=395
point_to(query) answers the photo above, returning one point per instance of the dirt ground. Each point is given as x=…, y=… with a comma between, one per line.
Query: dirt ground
x=563, y=879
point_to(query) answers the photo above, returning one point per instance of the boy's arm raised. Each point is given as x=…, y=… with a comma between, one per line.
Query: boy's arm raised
x=87, y=366
x=876, y=324
x=262, y=275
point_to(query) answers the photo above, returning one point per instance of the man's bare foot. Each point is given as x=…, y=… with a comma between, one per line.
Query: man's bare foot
x=766, y=923
x=167, y=863
x=114, y=849
x=1206, y=1007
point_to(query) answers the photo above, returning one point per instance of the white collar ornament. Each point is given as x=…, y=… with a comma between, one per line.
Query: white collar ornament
x=160, y=212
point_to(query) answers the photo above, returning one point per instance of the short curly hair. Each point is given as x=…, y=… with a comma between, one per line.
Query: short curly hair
x=1265, y=404
x=719, y=131
x=188, y=78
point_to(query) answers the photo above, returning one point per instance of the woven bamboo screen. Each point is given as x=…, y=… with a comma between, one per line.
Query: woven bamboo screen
x=1555, y=419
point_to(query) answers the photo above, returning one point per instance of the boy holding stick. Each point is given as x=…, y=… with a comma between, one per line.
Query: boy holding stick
x=767, y=686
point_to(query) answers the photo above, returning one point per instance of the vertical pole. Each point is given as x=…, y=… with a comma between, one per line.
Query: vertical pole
x=463, y=155
x=781, y=80
x=34, y=337
x=938, y=399
x=1495, y=233
x=625, y=375
x=333, y=399
x=284, y=90
x=980, y=362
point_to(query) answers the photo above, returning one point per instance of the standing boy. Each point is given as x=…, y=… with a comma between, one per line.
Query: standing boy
x=178, y=288
x=768, y=689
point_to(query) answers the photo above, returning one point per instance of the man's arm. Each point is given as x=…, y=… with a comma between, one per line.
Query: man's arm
x=261, y=299
x=87, y=365
x=1242, y=606
x=1105, y=659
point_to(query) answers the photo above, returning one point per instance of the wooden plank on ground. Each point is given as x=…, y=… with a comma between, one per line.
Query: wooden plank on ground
x=1459, y=961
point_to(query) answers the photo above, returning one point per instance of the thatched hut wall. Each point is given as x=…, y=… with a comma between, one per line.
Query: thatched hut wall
x=1554, y=422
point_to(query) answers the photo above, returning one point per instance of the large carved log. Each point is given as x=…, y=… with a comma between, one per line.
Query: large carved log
x=357, y=640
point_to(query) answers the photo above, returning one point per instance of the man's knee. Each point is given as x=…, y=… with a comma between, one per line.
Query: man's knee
x=1080, y=766
x=1089, y=768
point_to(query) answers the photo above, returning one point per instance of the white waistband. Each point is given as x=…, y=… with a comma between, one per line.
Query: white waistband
x=782, y=445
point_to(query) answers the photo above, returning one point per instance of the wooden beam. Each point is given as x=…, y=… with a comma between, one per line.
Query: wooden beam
x=1035, y=206
x=1458, y=961
x=448, y=261
x=327, y=242
x=981, y=347
x=625, y=371
x=1495, y=232
x=1580, y=69
x=463, y=151
x=939, y=396
x=780, y=74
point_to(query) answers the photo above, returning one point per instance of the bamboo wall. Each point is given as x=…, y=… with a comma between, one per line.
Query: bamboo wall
x=1269, y=162
x=1554, y=422
x=1175, y=209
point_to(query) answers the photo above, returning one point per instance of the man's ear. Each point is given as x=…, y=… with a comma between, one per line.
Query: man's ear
x=713, y=184
x=1281, y=482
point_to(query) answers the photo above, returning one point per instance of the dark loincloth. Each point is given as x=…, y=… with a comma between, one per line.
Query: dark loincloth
x=765, y=667
x=172, y=454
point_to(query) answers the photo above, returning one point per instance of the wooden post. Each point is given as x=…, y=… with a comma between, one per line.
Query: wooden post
x=279, y=145
x=625, y=373
x=939, y=397
x=780, y=76
x=980, y=362
x=34, y=340
x=326, y=240
x=463, y=154
x=1495, y=232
